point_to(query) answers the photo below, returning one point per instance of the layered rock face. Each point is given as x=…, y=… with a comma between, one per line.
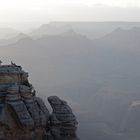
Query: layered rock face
x=23, y=116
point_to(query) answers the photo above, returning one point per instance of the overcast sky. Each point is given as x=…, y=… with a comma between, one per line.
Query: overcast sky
x=43, y=11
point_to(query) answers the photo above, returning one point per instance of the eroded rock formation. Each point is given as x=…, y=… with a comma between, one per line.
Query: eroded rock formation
x=23, y=116
x=131, y=123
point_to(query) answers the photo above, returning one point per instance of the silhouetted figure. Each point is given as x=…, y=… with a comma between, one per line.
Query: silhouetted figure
x=0, y=62
x=13, y=63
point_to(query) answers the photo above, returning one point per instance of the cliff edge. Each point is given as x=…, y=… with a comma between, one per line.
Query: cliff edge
x=23, y=116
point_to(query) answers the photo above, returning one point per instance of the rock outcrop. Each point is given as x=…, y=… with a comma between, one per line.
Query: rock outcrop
x=63, y=122
x=131, y=123
x=23, y=116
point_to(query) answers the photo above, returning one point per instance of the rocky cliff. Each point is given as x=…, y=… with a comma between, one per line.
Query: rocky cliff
x=23, y=116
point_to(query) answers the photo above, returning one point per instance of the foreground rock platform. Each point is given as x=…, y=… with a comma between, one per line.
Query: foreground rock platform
x=23, y=116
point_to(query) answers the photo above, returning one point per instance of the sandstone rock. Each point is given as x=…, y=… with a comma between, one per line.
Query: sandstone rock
x=23, y=116
x=63, y=122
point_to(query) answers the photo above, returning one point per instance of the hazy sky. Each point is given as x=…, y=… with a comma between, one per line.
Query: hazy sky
x=43, y=11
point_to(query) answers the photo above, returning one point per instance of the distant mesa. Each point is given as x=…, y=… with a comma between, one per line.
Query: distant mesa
x=48, y=29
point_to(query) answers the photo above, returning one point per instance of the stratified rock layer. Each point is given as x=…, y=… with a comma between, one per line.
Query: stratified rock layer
x=23, y=116
x=63, y=122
